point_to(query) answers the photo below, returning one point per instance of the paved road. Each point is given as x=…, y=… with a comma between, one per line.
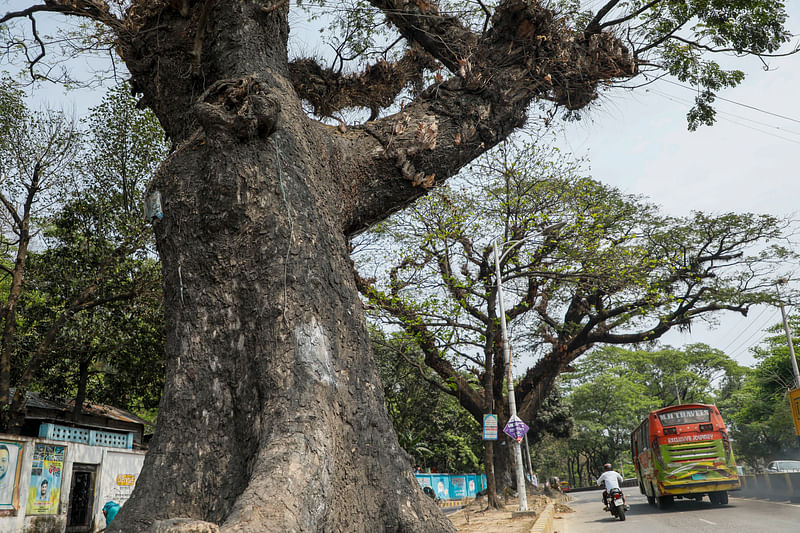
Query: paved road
x=741, y=515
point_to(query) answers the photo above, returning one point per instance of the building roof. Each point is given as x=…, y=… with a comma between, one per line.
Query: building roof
x=36, y=401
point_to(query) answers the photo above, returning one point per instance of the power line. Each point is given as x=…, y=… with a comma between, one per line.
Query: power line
x=685, y=102
x=764, y=310
x=747, y=343
x=748, y=106
x=742, y=350
x=737, y=116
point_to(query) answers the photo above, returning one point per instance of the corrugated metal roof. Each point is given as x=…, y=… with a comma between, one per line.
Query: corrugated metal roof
x=33, y=399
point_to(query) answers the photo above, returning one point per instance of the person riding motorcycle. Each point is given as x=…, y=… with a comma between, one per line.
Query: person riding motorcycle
x=610, y=479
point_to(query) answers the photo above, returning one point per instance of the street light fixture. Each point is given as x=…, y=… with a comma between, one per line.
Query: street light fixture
x=512, y=402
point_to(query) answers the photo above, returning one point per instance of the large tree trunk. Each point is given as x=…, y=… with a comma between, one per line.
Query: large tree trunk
x=272, y=419
x=504, y=466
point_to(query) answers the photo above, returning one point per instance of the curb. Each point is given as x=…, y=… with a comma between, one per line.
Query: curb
x=544, y=524
x=454, y=503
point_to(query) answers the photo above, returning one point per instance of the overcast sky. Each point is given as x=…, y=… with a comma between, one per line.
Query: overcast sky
x=747, y=162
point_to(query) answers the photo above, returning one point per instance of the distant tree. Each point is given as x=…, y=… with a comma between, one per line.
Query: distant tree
x=611, y=389
x=617, y=272
x=36, y=153
x=430, y=424
x=758, y=412
x=95, y=250
x=112, y=352
x=100, y=234
x=667, y=376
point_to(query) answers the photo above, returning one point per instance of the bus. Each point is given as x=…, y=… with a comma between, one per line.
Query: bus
x=684, y=451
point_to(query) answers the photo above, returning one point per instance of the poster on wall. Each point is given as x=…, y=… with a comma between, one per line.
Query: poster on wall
x=45, y=486
x=9, y=474
x=119, y=475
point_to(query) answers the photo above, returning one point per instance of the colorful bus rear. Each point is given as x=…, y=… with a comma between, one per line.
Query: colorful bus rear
x=684, y=451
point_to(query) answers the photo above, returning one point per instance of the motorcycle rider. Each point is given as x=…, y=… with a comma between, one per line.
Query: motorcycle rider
x=610, y=479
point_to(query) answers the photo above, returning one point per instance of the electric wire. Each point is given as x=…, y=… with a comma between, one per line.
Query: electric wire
x=747, y=342
x=724, y=116
x=748, y=106
x=742, y=332
x=743, y=351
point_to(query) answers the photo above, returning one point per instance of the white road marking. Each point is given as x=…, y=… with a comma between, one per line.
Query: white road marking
x=773, y=503
x=708, y=522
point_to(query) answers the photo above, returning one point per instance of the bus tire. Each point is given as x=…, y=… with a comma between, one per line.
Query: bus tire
x=651, y=500
x=662, y=502
x=718, y=498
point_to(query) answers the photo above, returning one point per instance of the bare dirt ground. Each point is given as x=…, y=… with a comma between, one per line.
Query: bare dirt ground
x=477, y=518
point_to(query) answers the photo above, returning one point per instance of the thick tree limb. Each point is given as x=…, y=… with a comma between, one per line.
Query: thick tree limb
x=376, y=88
x=527, y=54
x=94, y=9
x=466, y=394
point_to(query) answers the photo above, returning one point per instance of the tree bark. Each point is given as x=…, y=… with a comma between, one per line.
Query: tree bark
x=83, y=379
x=272, y=418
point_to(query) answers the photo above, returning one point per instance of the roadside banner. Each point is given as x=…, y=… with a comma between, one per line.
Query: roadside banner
x=489, y=427
x=516, y=428
x=794, y=400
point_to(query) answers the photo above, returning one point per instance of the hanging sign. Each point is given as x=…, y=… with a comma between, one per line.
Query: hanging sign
x=489, y=427
x=516, y=428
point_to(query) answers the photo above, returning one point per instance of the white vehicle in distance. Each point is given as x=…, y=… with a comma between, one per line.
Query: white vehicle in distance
x=783, y=466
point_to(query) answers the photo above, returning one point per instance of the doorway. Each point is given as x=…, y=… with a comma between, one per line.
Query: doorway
x=80, y=515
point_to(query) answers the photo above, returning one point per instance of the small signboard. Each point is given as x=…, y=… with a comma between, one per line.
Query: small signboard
x=489, y=427
x=794, y=400
x=126, y=480
x=516, y=428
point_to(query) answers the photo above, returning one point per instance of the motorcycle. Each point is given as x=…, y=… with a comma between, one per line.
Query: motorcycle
x=616, y=504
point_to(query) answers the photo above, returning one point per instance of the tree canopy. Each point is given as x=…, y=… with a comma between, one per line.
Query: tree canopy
x=615, y=272
x=430, y=424
x=267, y=348
x=74, y=191
x=611, y=389
x=759, y=412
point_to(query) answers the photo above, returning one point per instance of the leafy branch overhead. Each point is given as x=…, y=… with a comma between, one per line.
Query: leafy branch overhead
x=515, y=50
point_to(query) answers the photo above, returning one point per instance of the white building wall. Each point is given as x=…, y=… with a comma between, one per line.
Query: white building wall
x=117, y=471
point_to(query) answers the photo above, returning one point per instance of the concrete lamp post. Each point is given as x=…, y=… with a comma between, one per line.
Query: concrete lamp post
x=512, y=402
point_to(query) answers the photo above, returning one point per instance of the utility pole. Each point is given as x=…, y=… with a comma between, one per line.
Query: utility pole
x=789, y=338
x=512, y=402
